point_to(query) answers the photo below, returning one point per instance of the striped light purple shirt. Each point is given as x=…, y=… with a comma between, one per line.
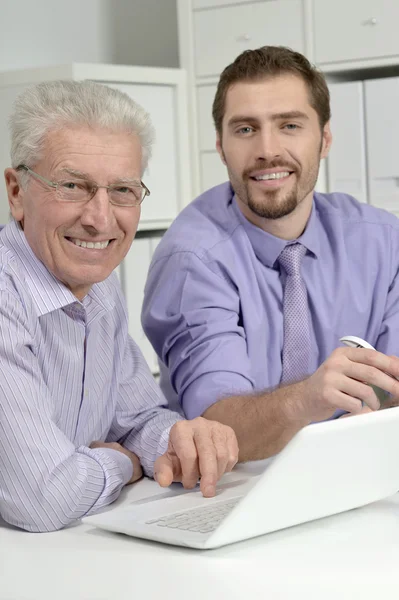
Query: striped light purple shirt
x=69, y=375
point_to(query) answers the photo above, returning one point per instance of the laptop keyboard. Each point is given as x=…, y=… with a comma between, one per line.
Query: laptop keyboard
x=200, y=520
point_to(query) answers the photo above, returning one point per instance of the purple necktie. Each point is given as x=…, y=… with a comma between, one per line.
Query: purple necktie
x=296, y=349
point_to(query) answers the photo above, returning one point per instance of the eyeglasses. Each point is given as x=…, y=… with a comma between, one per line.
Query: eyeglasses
x=82, y=190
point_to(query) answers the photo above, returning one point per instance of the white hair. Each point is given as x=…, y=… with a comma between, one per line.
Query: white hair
x=52, y=105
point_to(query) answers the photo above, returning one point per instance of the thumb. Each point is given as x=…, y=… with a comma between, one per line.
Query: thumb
x=163, y=470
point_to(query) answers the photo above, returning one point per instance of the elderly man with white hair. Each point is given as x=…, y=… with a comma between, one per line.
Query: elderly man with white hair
x=80, y=414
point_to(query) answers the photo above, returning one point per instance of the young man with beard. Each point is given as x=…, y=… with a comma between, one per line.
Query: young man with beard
x=257, y=280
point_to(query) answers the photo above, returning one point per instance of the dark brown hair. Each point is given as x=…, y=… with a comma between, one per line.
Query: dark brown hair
x=271, y=61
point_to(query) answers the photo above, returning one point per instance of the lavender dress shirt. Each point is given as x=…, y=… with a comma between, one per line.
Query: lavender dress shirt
x=213, y=306
x=69, y=374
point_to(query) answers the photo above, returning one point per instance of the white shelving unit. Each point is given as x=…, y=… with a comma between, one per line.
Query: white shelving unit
x=349, y=41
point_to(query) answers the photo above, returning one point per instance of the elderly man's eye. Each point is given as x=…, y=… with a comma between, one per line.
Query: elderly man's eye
x=73, y=186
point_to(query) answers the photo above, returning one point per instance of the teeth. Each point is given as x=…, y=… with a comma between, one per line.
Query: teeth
x=272, y=176
x=94, y=245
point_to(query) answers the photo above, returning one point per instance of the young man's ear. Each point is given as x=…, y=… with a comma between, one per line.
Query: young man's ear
x=220, y=149
x=326, y=141
x=15, y=194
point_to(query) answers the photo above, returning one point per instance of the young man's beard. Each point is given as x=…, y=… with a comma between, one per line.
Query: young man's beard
x=270, y=208
x=269, y=205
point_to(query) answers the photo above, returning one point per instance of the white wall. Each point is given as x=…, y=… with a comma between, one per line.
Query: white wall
x=47, y=32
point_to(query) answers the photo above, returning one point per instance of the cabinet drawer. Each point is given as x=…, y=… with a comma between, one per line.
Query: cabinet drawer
x=355, y=30
x=347, y=158
x=160, y=175
x=221, y=34
x=134, y=271
x=206, y=128
x=133, y=275
x=198, y=4
x=381, y=103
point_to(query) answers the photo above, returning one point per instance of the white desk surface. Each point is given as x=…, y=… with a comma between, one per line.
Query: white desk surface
x=348, y=556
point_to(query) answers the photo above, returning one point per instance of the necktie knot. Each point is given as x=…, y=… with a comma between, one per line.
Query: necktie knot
x=291, y=257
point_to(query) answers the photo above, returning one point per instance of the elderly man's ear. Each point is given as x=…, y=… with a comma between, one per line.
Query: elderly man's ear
x=15, y=194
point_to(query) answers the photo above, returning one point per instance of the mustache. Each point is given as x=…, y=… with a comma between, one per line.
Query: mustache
x=273, y=164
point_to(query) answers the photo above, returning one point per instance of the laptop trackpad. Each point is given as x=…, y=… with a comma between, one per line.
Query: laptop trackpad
x=230, y=481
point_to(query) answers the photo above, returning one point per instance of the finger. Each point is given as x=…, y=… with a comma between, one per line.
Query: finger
x=360, y=391
x=373, y=376
x=376, y=378
x=208, y=466
x=182, y=442
x=233, y=450
x=163, y=470
x=219, y=439
x=345, y=402
x=384, y=370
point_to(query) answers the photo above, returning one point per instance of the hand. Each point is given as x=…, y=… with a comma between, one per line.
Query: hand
x=197, y=449
x=137, y=470
x=344, y=380
x=364, y=411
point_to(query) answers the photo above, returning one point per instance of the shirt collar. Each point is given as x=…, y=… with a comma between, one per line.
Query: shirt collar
x=47, y=292
x=268, y=247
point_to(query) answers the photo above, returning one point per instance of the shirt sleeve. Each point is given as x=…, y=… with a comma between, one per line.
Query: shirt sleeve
x=388, y=338
x=191, y=315
x=142, y=420
x=45, y=481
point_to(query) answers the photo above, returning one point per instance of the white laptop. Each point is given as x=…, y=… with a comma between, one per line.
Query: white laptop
x=327, y=468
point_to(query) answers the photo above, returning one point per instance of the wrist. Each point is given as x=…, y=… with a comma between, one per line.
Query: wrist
x=294, y=405
x=124, y=463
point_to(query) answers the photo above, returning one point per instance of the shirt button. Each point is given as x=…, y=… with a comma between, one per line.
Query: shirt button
x=86, y=392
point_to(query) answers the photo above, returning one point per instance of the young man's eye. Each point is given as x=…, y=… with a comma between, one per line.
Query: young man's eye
x=245, y=130
x=291, y=126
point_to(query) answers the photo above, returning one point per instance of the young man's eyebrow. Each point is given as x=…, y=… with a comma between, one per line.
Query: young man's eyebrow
x=241, y=119
x=291, y=114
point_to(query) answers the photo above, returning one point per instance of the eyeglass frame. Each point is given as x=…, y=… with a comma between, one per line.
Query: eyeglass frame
x=93, y=191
